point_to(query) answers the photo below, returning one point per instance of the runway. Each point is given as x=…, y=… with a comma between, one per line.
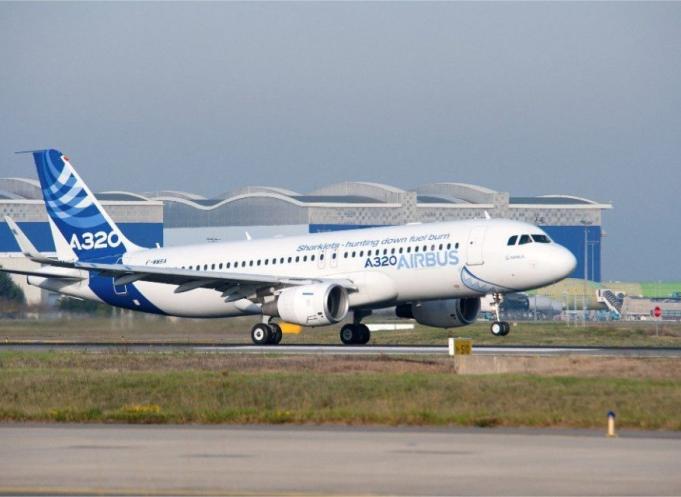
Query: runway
x=509, y=350
x=267, y=460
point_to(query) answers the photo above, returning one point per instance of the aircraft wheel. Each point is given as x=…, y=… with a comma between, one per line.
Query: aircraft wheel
x=261, y=334
x=276, y=334
x=348, y=334
x=364, y=334
x=497, y=328
x=507, y=328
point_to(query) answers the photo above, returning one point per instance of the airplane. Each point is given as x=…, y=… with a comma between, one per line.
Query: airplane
x=434, y=273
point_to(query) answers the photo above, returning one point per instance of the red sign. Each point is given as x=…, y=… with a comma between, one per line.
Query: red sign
x=657, y=312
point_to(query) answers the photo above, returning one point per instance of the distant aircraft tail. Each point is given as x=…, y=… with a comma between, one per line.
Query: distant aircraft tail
x=81, y=228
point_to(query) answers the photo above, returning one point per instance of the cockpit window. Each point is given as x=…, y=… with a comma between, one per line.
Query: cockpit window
x=512, y=240
x=525, y=239
x=541, y=238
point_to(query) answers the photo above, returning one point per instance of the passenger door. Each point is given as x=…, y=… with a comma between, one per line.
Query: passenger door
x=476, y=239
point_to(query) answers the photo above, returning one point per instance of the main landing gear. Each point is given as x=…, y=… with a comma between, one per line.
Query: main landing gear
x=266, y=334
x=499, y=328
x=356, y=333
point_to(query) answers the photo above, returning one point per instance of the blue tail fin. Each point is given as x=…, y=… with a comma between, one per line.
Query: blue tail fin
x=80, y=227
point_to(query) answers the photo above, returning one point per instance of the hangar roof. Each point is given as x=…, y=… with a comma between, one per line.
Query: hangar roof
x=350, y=193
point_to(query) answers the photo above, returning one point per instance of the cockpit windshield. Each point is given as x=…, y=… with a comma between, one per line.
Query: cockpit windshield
x=525, y=239
x=541, y=238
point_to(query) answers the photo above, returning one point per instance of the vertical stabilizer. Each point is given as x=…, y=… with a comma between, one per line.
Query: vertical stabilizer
x=80, y=226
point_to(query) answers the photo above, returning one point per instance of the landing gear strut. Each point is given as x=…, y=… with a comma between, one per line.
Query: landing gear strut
x=499, y=328
x=356, y=333
x=266, y=333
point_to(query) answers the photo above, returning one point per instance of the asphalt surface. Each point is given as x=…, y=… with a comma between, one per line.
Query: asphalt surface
x=265, y=460
x=509, y=350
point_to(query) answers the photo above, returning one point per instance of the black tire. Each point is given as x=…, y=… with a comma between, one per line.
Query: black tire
x=261, y=334
x=348, y=334
x=276, y=334
x=364, y=334
x=507, y=328
x=497, y=328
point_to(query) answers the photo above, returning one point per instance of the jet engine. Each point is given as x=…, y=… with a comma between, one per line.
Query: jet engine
x=450, y=313
x=310, y=305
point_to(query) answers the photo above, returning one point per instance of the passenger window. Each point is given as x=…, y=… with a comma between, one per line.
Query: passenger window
x=440, y=247
x=416, y=249
x=432, y=247
x=385, y=251
x=512, y=240
x=457, y=245
x=345, y=255
x=250, y=263
x=212, y=266
x=267, y=261
x=333, y=256
x=243, y=263
x=392, y=250
x=205, y=267
x=353, y=253
x=525, y=239
x=227, y=265
x=408, y=250
x=304, y=258
x=400, y=250
x=541, y=238
x=290, y=259
x=321, y=257
x=297, y=258
x=281, y=261
x=369, y=253
x=425, y=248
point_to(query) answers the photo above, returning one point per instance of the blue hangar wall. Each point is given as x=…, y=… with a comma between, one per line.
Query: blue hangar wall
x=583, y=242
x=142, y=234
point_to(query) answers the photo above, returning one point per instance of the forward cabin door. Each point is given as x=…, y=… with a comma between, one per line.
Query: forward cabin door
x=476, y=238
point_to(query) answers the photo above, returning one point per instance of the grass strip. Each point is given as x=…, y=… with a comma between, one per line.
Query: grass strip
x=36, y=391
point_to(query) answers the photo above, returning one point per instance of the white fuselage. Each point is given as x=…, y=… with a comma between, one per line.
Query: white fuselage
x=387, y=265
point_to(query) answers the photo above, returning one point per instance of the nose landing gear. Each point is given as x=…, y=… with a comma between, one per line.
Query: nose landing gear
x=499, y=328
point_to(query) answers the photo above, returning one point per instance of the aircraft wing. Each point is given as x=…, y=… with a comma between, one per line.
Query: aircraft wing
x=233, y=285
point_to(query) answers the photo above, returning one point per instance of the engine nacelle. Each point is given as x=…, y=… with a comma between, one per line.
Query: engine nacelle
x=310, y=305
x=450, y=313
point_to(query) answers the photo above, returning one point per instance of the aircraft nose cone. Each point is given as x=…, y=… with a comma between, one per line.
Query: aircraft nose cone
x=566, y=261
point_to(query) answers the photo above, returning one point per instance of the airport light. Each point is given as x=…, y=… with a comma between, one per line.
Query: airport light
x=586, y=223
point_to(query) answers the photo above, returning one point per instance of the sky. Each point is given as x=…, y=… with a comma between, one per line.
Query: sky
x=527, y=98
